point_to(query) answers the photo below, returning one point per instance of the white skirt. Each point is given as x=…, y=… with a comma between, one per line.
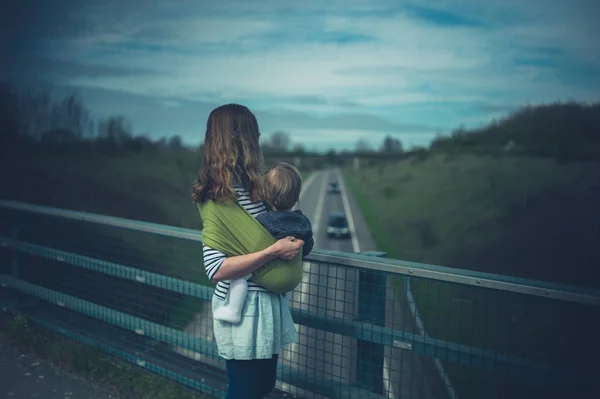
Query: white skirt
x=266, y=327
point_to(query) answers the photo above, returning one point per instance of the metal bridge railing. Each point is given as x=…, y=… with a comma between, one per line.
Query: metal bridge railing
x=368, y=326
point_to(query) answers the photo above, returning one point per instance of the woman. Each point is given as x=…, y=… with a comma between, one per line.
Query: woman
x=231, y=171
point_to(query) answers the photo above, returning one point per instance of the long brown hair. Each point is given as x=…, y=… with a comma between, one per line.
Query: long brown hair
x=231, y=151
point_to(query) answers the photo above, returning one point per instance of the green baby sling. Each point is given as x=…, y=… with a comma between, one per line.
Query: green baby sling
x=229, y=228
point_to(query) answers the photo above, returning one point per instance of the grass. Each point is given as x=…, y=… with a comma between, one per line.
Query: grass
x=146, y=186
x=153, y=187
x=124, y=379
x=523, y=217
x=444, y=208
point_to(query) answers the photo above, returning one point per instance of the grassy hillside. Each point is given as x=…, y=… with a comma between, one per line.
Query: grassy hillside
x=529, y=217
x=565, y=131
x=151, y=186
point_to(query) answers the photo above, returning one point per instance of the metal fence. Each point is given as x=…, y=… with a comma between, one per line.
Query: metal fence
x=369, y=327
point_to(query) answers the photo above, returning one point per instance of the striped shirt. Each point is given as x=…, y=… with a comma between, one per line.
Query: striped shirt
x=213, y=259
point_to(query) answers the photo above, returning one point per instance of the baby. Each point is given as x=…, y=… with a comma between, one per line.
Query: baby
x=283, y=184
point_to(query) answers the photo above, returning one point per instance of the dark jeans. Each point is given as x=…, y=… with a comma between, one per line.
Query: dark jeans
x=251, y=379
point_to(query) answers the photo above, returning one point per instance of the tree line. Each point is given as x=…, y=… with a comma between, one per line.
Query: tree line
x=36, y=119
x=280, y=142
x=560, y=130
x=564, y=131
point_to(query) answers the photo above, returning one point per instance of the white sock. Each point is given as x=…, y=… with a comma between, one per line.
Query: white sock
x=232, y=313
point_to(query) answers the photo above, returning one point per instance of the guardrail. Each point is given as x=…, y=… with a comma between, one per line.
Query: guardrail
x=138, y=290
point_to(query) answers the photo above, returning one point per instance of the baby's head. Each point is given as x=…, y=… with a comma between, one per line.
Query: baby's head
x=282, y=184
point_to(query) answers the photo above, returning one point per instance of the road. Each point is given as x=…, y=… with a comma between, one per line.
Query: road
x=317, y=204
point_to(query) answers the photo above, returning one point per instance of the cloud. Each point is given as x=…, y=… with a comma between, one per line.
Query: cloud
x=33, y=19
x=354, y=121
x=60, y=70
x=439, y=17
x=378, y=65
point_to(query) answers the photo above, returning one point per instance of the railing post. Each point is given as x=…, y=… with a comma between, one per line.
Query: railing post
x=371, y=308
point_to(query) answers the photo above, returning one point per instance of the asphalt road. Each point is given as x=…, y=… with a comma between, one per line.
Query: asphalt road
x=317, y=204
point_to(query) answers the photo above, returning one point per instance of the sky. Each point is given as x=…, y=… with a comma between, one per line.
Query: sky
x=328, y=73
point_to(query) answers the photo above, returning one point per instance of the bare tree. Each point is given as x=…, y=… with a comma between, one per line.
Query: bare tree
x=34, y=113
x=40, y=112
x=9, y=112
x=72, y=114
x=362, y=145
x=391, y=144
x=459, y=131
x=298, y=149
x=175, y=142
x=116, y=129
x=280, y=141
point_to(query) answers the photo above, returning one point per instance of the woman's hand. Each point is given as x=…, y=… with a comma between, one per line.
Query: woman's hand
x=286, y=248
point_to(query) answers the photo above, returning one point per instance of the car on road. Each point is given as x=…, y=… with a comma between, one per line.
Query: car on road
x=337, y=225
x=333, y=188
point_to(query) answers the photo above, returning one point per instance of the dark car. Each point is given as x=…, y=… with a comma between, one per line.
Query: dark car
x=333, y=188
x=337, y=225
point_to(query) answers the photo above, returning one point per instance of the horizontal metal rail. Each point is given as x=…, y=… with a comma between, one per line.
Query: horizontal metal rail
x=137, y=359
x=441, y=349
x=364, y=331
x=398, y=267
x=460, y=276
x=425, y=345
x=422, y=344
x=112, y=221
x=138, y=325
x=166, y=335
x=112, y=269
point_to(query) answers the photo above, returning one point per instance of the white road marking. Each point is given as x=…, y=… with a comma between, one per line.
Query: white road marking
x=356, y=248
x=421, y=329
x=305, y=187
x=348, y=211
x=319, y=209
